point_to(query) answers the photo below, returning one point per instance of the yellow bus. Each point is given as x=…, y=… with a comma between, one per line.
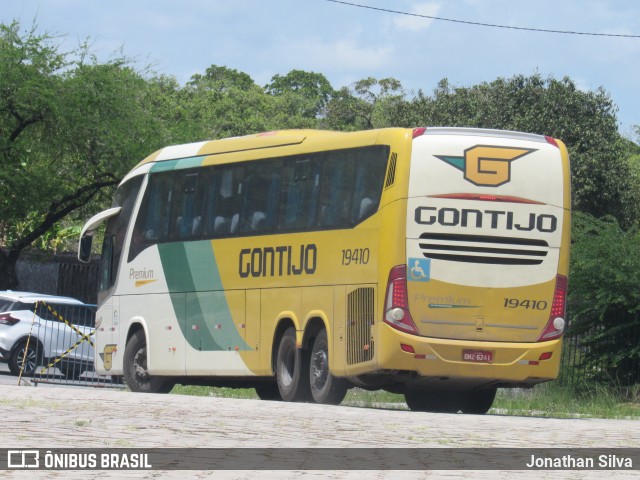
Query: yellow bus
x=430, y=262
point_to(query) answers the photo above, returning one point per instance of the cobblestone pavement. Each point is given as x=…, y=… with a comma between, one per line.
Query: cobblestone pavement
x=60, y=417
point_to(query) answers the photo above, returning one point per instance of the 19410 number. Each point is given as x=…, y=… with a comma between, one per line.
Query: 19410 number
x=527, y=304
x=358, y=256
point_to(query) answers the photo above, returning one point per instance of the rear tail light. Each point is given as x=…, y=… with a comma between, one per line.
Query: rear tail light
x=418, y=131
x=555, y=325
x=7, y=319
x=396, y=305
x=551, y=141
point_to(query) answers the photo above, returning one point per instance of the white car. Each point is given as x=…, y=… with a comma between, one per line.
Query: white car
x=50, y=329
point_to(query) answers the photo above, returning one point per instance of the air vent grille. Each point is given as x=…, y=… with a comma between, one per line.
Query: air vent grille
x=483, y=249
x=391, y=171
x=360, y=318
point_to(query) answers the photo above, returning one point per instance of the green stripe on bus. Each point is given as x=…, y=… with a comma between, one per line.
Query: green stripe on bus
x=201, y=306
x=169, y=165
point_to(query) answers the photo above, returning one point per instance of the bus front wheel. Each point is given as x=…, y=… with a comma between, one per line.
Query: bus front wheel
x=136, y=374
x=325, y=388
x=292, y=369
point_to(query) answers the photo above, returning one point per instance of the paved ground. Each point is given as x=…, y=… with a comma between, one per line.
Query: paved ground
x=57, y=417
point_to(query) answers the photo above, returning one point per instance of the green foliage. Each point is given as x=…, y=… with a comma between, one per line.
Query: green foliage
x=69, y=129
x=633, y=160
x=369, y=104
x=604, y=300
x=223, y=103
x=57, y=238
x=28, y=92
x=303, y=95
x=587, y=400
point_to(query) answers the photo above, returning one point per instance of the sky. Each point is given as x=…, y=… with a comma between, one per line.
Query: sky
x=346, y=43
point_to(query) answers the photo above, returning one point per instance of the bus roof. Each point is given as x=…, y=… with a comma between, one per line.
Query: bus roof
x=279, y=138
x=284, y=138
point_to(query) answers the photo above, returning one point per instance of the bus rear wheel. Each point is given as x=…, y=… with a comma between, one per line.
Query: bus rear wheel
x=325, y=388
x=136, y=374
x=437, y=401
x=70, y=372
x=292, y=369
x=478, y=401
x=268, y=391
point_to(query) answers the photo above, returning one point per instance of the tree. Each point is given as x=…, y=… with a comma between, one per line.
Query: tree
x=302, y=96
x=367, y=104
x=224, y=103
x=221, y=79
x=604, y=299
x=68, y=130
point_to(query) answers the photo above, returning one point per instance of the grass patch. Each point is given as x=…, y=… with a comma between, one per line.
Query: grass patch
x=221, y=392
x=576, y=401
x=548, y=400
x=356, y=397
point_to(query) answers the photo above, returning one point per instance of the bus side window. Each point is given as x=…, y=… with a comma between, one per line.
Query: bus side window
x=335, y=191
x=260, y=198
x=223, y=201
x=187, y=213
x=367, y=187
x=153, y=222
x=299, y=200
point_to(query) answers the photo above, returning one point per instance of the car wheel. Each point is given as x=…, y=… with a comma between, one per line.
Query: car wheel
x=325, y=388
x=26, y=363
x=136, y=373
x=292, y=369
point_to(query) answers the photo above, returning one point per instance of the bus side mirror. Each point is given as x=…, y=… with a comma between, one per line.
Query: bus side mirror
x=84, y=249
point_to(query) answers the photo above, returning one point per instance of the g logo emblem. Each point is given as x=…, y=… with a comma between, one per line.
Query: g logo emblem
x=107, y=356
x=487, y=165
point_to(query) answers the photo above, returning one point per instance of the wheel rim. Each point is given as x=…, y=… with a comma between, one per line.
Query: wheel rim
x=287, y=366
x=319, y=369
x=140, y=365
x=28, y=364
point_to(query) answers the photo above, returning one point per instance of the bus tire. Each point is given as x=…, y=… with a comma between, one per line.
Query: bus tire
x=292, y=369
x=136, y=374
x=325, y=388
x=70, y=372
x=437, y=401
x=268, y=391
x=478, y=401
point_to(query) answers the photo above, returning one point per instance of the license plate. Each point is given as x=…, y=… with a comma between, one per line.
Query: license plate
x=478, y=356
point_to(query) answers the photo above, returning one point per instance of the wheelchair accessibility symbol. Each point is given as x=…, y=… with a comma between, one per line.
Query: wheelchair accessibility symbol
x=419, y=269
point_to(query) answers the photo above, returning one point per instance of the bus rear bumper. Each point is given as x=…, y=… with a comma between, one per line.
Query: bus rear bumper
x=464, y=362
